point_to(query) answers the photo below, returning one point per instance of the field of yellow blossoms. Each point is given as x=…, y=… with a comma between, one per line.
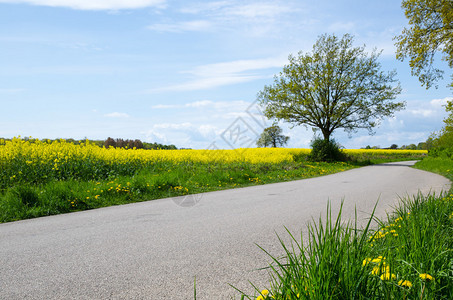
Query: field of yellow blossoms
x=50, y=177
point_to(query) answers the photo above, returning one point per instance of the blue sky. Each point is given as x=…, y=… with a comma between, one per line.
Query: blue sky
x=184, y=72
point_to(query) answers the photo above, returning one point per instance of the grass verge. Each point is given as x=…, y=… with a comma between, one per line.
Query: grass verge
x=24, y=200
x=410, y=256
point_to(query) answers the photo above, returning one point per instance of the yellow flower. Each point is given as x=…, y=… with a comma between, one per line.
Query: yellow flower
x=264, y=293
x=366, y=261
x=388, y=276
x=405, y=283
x=425, y=276
x=375, y=270
x=378, y=259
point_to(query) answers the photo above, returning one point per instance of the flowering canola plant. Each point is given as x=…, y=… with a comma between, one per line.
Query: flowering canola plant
x=35, y=161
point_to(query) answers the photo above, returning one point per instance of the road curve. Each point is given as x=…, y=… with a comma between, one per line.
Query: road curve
x=154, y=249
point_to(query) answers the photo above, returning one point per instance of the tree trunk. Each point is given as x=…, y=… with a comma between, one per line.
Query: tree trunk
x=274, y=143
x=326, y=134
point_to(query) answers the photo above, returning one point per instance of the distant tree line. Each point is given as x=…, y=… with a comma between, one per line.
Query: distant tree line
x=120, y=143
x=420, y=146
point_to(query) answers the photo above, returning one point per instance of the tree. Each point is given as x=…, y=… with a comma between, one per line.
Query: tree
x=272, y=137
x=422, y=146
x=449, y=120
x=430, y=31
x=335, y=86
x=445, y=137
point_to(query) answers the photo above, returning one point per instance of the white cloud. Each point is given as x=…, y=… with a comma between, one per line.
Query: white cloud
x=238, y=66
x=155, y=136
x=201, y=103
x=258, y=10
x=422, y=112
x=198, y=25
x=219, y=105
x=440, y=102
x=433, y=109
x=251, y=19
x=226, y=73
x=93, y=4
x=230, y=9
x=116, y=115
x=183, y=134
x=206, y=83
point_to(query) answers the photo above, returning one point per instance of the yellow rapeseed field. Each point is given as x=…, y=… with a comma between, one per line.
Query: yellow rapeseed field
x=36, y=151
x=33, y=160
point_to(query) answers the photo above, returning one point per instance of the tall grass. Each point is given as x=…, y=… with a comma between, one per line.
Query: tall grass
x=409, y=256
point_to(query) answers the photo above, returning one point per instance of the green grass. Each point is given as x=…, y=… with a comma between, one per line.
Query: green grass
x=408, y=256
x=439, y=165
x=23, y=200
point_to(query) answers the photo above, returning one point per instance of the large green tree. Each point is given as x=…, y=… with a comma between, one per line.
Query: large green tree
x=430, y=31
x=335, y=86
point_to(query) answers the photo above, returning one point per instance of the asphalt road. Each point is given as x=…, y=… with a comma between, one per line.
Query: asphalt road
x=155, y=249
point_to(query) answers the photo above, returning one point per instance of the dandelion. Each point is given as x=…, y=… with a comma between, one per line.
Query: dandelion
x=366, y=261
x=375, y=270
x=388, y=276
x=378, y=259
x=405, y=283
x=263, y=295
x=425, y=276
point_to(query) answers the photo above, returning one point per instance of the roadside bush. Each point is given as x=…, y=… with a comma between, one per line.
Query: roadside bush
x=328, y=151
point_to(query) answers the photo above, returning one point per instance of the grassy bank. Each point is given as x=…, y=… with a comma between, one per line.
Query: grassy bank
x=408, y=256
x=439, y=165
x=45, y=178
x=23, y=201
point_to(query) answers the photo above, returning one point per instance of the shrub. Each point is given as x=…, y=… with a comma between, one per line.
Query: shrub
x=326, y=150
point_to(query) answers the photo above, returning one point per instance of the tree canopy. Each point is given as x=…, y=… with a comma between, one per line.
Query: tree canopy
x=272, y=137
x=335, y=86
x=430, y=31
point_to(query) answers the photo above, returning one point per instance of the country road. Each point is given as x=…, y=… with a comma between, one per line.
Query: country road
x=155, y=249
